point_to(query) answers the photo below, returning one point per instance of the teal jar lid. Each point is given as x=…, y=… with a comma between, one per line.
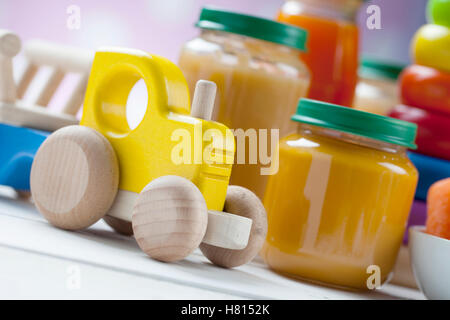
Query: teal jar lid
x=260, y=28
x=376, y=69
x=357, y=122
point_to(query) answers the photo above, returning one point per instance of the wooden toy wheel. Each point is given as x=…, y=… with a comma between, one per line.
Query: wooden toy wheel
x=120, y=226
x=74, y=177
x=169, y=218
x=23, y=194
x=240, y=201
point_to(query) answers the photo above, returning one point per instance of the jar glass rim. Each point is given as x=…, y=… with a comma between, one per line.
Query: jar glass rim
x=357, y=122
x=251, y=26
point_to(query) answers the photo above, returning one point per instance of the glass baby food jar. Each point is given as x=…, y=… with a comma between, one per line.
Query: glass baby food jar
x=338, y=206
x=377, y=90
x=255, y=64
x=332, y=55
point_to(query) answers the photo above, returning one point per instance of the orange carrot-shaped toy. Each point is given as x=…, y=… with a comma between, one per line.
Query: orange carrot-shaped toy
x=438, y=202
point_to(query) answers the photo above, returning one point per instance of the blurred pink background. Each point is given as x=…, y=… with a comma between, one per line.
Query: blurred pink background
x=162, y=26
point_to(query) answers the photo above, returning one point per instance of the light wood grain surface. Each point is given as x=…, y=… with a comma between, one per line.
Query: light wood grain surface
x=169, y=218
x=37, y=257
x=203, y=101
x=223, y=230
x=61, y=60
x=9, y=47
x=74, y=177
x=120, y=226
x=242, y=202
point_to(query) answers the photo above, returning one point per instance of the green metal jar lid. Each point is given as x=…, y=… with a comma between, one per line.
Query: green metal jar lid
x=372, y=68
x=263, y=29
x=357, y=122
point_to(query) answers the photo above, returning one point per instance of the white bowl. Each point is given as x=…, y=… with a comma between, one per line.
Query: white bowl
x=430, y=259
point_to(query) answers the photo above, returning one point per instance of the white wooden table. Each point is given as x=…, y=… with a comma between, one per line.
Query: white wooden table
x=40, y=261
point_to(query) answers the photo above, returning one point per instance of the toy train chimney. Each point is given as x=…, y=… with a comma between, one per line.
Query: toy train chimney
x=203, y=102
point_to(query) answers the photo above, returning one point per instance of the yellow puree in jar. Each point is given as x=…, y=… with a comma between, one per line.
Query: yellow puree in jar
x=335, y=208
x=250, y=95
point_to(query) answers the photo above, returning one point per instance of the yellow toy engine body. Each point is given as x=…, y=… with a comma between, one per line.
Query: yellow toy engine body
x=166, y=134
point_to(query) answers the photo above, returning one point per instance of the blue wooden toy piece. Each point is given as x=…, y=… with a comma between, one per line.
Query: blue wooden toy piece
x=18, y=147
x=430, y=170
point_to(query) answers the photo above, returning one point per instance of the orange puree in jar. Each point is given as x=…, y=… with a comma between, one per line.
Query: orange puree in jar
x=340, y=200
x=332, y=47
